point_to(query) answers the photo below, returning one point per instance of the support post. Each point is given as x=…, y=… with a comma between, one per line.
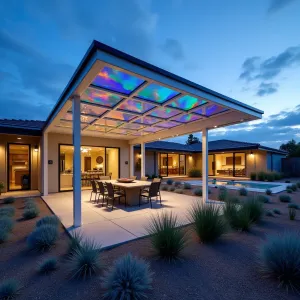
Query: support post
x=131, y=160
x=76, y=162
x=142, y=159
x=204, y=165
x=45, y=164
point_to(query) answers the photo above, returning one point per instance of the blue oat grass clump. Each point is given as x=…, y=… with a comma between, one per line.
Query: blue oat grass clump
x=85, y=261
x=187, y=186
x=268, y=192
x=7, y=223
x=8, y=211
x=243, y=191
x=263, y=198
x=75, y=242
x=9, y=200
x=42, y=238
x=285, y=198
x=177, y=184
x=129, y=278
x=279, y=258
x=50, y=220
x=31, y=209
x=47, y=265
x=277, y=211
x=169, y=181
x=167, y=239
x=9, y=289
x=223, y=193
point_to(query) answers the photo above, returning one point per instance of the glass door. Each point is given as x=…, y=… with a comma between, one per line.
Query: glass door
x=163, y=165
x=239, y=164
x=182, y=164
x=18, y=167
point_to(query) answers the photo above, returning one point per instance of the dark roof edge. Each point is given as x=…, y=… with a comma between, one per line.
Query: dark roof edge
x=20, y=131
x=273, y=150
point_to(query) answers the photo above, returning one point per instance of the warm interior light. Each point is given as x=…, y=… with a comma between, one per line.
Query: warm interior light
x=19, y=138
x=215, y=126
x=251, y=153
x=36, y=148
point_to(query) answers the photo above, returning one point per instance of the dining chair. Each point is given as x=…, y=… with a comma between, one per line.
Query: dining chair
x=144, y=178
x=94, y=190
x=102, y=191
x=152, y=192
x=111, y=195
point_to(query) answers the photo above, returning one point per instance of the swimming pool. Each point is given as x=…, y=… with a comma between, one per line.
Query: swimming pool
x=254, y=186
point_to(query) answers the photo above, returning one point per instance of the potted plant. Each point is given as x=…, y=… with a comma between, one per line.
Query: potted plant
x=1, y=186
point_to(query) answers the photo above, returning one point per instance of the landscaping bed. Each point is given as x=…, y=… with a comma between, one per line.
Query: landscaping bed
x=226, y=269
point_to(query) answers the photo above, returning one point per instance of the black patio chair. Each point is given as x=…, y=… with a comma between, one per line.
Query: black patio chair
x=102, y=191
x=152, y=192
x=94, y=190
x=111, y=195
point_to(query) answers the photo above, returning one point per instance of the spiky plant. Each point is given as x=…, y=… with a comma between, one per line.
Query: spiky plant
x=7, y=211
x=9, y=289
x=268, y=192
x=85, y=261
x=187, y=186
x=129, y=278
x=279, y=258
x=223, y=193
x=255, y=208
x=167, y=239
x=293, y=205
x=285, y=198
x=277, y=211
x=172, y=189
x=4, y=234
x=263, y=198
x=198, y=192
x=243, y=191
x=7, y=223
x=269, y=213
x=52, y=220
x=42, y=238
x=170, y=181
x=47, y=265
x=31, y=213
x=208, y=223
x=75, y=241
x=177, y=184
x=9, y=200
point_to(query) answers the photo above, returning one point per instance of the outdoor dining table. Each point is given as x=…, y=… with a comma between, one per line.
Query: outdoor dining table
x=132, y=189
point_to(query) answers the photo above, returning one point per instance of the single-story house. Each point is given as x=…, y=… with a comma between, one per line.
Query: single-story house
x=113, y=102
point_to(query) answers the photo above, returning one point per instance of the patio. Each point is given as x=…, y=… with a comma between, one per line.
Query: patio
x=111, y=228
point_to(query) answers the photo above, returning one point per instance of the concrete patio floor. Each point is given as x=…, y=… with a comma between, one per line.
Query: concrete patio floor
x=109, y=228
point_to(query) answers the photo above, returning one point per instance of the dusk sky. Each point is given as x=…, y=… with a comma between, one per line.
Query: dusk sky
x=248, y=50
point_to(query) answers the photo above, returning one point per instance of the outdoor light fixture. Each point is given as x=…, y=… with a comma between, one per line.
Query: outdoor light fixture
x=251, y=153
x=36, y=148
x=215, y=126
x=19, y=138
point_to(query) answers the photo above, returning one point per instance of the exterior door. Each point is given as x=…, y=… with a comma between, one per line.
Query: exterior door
x=18, y=167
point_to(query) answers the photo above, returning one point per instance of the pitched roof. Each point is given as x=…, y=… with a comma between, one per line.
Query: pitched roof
x=26, y=127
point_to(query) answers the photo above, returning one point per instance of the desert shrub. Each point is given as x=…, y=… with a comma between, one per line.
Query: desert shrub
x=243, y=192
x=42, y=238
x=294, y=187
x=179, y=191
x=207, y=221
x=85, y=261
x=285, y=198
x=7, y=211
x=51, y=220
x=289, y=191
x=47, y=265
x=4, y=234
x=298, y=184
x=9, y=289
x=172, y=188
x=255, y=208
x=75, y=241
x=166, y=238
x=164, y=188
x=194, y=172
x=7, y=223
x=279, y=258
x=277, y=211
x=30, y=213
x=292, y=213
x=261, y=176
x=177, y=184
x=129, y=278
x=170, y=181
x=269, y=213
x=237, y=216
x=187, y=186
x=198, y=192
x=293, y=205
x=270, y=176
x=29, y=203
x=263, y=198
x=223, y=192
x=268, y=192
x=253, y=176
x=9, y=200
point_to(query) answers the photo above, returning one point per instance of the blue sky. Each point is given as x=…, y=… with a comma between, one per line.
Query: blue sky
x=247, y=50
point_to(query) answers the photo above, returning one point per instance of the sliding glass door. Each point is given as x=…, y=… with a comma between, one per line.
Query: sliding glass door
x=171, y=164
x=230, y=164
x=95, y=162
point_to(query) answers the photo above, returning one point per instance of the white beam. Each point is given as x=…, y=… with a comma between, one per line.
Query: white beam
x=204, y=165
x=45, y=164
x=76, y=162
x=131, y=160
x=142, y=159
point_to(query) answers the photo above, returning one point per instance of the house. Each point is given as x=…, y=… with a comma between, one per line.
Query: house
x=225, y=158
x=113, y=102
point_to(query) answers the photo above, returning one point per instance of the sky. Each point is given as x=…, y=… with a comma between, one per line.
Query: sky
x=248, y=50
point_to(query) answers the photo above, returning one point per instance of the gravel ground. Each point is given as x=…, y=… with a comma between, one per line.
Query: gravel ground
x=224, y=270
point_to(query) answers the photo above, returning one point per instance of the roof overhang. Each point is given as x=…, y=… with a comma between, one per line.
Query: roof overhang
x=147, y=94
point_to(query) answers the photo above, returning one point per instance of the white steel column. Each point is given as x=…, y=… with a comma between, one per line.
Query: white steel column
x=45, y=164
x=76, y=162
x=204, y=165
x=142, y=159
x=131, y=160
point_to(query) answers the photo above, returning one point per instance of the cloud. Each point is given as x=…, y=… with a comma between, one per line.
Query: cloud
x=265, y=89
x=276, y=5
x=173, y=48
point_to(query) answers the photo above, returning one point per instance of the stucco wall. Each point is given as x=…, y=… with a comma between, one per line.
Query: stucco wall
x=55, y=139
x=5, y=139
